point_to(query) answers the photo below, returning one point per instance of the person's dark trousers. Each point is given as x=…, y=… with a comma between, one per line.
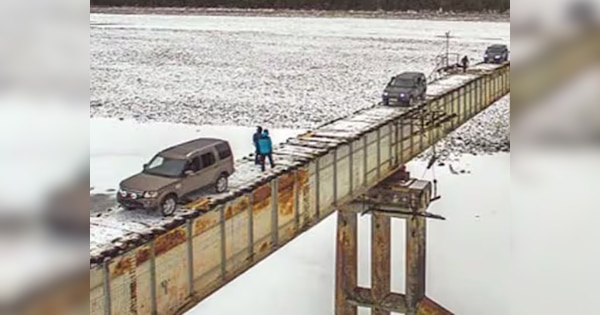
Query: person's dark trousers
x=262, y=161
x=256, y=157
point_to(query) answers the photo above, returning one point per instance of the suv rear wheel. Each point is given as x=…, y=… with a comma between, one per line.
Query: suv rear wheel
x=221, y=184
x=168, y=205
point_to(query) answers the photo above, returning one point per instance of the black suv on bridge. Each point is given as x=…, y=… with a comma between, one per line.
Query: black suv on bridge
x=405, y=89
x=496, y=54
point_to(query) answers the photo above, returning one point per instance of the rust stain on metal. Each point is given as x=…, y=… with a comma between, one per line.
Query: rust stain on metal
x=262, y=198
x=380, y=260
x=121, y=267
x=239, y=205
x=133, y=309
x=264, y=247
x=429, y=307
x=346, y=262
x=170, y=240
x=205, y=222
x=285, y=195
x=304, y=195
x=302, y=176
x=142, y=255
x=200, y=204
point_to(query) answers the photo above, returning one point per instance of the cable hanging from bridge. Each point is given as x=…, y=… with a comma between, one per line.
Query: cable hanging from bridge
x=431, y=165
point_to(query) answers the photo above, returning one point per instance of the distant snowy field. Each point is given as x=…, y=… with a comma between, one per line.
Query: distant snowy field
x=284, y=72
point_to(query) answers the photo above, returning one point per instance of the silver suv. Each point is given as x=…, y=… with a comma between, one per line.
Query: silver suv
x=177, y=171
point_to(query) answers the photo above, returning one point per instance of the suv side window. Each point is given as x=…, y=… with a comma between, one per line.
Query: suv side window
x=208, y=159
x=223, y=150
x=194, y=165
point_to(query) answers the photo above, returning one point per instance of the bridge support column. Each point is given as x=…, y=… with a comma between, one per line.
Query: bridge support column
x=396, y=197
x=381, y=260
x=415, y=261
x=346, y=264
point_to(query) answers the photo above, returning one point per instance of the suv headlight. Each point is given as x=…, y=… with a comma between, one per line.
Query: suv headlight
x=151, y=194
x=122, y=192
x=386, y=94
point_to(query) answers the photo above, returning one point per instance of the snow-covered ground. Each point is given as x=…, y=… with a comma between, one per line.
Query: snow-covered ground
x=468, y=254
x=290, y=72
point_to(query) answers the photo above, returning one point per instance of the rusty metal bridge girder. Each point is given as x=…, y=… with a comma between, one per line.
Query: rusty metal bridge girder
x=409, y=199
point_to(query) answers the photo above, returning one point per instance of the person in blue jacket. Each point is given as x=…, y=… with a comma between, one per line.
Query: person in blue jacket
x=255, y=138
x=265, y=149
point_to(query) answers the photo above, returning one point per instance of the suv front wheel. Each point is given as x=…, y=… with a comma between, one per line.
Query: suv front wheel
x=221, y=184
x=168, y=205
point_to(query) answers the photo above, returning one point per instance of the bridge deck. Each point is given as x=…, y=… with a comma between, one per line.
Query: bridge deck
x=292, y=154
x=216, y=238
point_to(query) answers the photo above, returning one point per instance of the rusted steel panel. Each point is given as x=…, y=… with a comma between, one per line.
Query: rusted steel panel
x=205, y=222
x=326, y=160
x=380, y=260
x=358, y=164
x=429, y=307
x=415, y=260
x=372, y=162
x=96, y=278
x=208, y=282
x=144, y=294
x=343, y=172
x=236, y=234
x=123, y=284
x=326, y=187
x=171, y=270
x=305, y=203
x=207, y=249
x=262, y=218
x=96, y=291
x=346, y=264
x=384, y=152
x=286, y=202
x=393, y=302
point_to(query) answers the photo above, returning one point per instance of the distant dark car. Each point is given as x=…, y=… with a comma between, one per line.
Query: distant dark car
x=496, y=54
x=405, y=89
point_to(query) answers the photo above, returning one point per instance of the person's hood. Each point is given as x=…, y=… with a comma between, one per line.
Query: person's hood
x=147, y=182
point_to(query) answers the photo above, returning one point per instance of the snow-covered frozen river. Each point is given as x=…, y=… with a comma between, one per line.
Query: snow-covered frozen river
x=288, y=72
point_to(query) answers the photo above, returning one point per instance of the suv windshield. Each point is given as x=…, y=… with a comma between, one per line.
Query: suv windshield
x=163, y=166
x=399, y=82
x=495, y=50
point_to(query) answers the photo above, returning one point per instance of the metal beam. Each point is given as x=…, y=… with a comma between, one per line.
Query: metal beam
x=346, y=266
x=381, y=260
x=393, y=302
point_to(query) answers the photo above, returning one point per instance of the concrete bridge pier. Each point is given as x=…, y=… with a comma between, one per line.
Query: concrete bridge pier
x=396, y=197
